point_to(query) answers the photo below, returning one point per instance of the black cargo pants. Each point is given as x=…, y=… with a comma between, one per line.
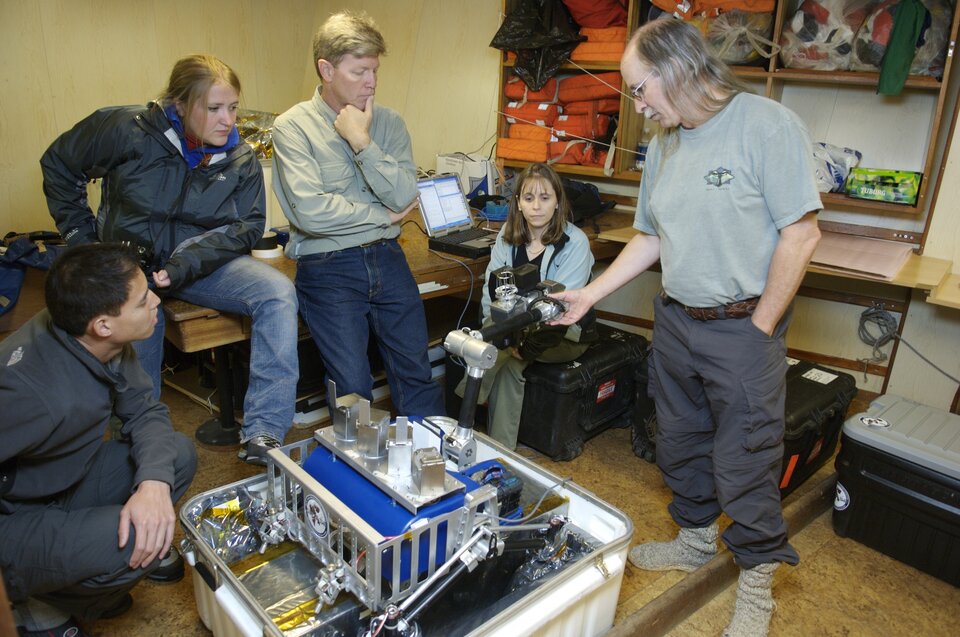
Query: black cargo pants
x=66, y=553
x=719, y=390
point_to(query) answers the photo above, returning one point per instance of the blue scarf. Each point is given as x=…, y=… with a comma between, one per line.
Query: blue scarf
x=195, y=156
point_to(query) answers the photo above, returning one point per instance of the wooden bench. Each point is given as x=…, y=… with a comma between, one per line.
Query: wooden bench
x=194, y=328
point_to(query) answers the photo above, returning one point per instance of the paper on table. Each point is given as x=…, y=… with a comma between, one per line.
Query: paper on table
x=871, y=258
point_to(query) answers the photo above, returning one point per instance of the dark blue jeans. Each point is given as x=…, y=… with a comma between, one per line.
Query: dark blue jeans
x=346, y=294
x=252, y=288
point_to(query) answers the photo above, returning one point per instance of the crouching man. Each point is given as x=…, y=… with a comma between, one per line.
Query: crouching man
x=82, y=518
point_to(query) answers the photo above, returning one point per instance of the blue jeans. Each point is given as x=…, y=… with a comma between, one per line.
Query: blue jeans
x=252, y=288
x=346, y=293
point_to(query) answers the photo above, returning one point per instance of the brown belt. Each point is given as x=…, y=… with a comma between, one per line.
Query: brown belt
x=375, y=242
x=735, y=310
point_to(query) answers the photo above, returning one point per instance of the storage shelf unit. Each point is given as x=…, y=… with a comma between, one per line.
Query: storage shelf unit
x=628, y=132
x=770, y=79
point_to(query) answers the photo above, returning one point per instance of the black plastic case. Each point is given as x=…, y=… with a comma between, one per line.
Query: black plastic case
x=898, y=484
x=565, y=404
x=816, y=405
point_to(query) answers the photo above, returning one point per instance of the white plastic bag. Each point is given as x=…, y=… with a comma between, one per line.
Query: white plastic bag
x=833, y=164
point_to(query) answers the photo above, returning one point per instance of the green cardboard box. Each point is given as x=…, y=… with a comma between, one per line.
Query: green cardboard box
x=894, y=186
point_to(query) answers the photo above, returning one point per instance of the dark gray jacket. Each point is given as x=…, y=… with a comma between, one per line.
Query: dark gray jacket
x=193, y=221
x=56, y=401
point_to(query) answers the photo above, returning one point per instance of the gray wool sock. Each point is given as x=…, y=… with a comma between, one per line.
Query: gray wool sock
x=755, y=604
x=691, y=549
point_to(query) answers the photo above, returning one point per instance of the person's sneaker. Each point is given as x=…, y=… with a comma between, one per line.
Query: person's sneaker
x=170, y=569
x=255, y=450
x=69, y=628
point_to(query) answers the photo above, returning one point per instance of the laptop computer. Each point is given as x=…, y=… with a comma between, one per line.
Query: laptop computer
x=446, y=217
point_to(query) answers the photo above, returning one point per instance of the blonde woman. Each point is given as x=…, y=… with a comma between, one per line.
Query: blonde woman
x=179, y=184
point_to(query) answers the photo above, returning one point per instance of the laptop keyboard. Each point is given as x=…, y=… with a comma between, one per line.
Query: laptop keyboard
x=466, y=235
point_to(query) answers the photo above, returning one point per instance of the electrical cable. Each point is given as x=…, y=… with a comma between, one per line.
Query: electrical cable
x=534, y=510
x=485, y=142
x=887, y=325
x=472, y=282
x=422, y=231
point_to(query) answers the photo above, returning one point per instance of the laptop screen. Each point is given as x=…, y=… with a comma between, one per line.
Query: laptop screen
x=443, y=205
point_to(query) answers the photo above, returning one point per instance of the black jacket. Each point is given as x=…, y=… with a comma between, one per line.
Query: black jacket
x=56, y=401
x=191, y=221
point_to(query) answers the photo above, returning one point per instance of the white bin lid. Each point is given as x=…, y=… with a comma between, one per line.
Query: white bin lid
x=917, y=433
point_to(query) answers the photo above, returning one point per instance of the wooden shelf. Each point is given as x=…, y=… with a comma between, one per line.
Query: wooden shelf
x=947, y=293
x=919, y=272
x=853, y=78
x=839, y=200
x=847, y=78
x=751, y=72
x=594, y=172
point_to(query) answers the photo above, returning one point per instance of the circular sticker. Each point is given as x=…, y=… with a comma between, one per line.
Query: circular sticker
x=315, y=515
x=842, y=501
x=874, y=422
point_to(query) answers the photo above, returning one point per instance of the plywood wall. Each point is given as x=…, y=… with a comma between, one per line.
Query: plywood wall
x=932, y=330
x=65, y=58
x=439, y=71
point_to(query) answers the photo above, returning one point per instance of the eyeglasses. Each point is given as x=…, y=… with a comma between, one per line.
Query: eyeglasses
x=637, y=91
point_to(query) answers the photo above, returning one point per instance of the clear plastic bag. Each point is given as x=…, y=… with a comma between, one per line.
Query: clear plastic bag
x=256, y=129
x=820, y=34
x=833, y=164
x=229, y=522
x=932, y=46
x=738, y=37
x=870, y=42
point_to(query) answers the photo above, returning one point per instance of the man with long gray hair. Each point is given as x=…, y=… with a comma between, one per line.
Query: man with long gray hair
x=728, y=204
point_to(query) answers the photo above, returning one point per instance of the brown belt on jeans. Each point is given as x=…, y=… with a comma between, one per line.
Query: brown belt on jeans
x=375, y=242
x=735, y=310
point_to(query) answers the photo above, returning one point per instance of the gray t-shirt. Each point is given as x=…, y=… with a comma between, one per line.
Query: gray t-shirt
x=718, y=201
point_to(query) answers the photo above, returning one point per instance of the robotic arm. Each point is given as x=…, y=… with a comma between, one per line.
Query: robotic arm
x=521, y=300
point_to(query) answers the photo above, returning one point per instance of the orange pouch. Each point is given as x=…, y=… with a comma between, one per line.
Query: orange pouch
x=540, y=113
x=579, y=88
x=522, y=149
